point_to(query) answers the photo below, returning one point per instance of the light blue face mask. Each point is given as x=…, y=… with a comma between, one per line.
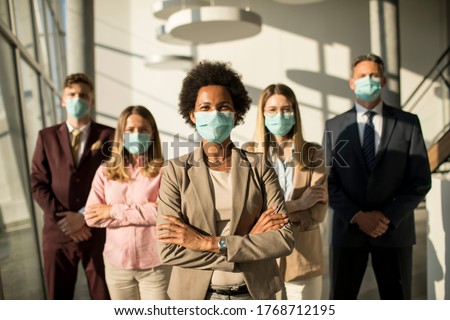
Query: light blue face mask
x=214, y=126
x=137, y=143
x=77, y=108
x=279, y=124
x=368, y=88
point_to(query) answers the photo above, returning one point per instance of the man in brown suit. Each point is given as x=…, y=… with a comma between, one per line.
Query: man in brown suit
x=64, y=163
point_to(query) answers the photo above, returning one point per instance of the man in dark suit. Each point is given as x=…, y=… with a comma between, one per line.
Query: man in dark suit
x=66, y=158
x=378, y=174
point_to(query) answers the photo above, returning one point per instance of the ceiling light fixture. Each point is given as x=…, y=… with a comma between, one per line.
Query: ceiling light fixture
x=165, y=62
x=163, y=9
x=297, y=1
x=211, y=24
x=164, y=36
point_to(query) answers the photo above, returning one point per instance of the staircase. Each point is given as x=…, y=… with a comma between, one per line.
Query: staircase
x=430, y=101
x=439, y=154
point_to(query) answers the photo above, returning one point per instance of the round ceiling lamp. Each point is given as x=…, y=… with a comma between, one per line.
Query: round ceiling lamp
x=165, y=62
x=298, y=1
x=163, y=9
x=213, y=24
x=163, y=36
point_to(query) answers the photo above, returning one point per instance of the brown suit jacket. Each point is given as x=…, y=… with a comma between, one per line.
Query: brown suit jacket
x=186, y=193
x=56, y=184
x=306, y=260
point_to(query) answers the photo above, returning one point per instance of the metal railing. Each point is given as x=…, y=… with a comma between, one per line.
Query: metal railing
x=438, y=69
x=430, y=101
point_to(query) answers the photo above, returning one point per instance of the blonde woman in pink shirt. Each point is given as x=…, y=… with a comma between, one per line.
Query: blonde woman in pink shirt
x=123, y=200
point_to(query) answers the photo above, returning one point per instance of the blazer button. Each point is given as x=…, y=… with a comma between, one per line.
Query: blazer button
x=77, y=200
x=77, y=180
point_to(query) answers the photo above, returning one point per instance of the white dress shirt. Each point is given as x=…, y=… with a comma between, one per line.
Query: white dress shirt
x=361, y=119
x=83, y=139
x=285, y=173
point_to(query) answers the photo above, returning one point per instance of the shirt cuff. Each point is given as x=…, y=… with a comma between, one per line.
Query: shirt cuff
x=354, y=217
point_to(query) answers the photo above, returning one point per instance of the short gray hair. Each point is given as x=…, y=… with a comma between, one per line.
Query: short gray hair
x=368, y=57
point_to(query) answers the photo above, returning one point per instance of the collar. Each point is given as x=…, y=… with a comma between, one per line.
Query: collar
x=274, y=158
x=360, y=110
x=83, y=129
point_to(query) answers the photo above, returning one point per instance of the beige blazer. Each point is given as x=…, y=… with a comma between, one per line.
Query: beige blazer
x=186, y=193
x=306, y=260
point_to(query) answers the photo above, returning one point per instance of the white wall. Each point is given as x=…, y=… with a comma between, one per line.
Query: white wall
x=424, y=37
x=308, y=47
x=438, y=206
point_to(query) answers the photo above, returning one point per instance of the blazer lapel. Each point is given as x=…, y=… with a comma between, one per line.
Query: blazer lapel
x=352, y=134
x=64, y=141
x=389, y=122
x=240, y=172
x=199, y=178
x=301, y=179
x=92, y=137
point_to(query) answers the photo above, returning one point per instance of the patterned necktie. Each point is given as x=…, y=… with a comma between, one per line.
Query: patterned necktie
x=369, y=141
x=76, y=137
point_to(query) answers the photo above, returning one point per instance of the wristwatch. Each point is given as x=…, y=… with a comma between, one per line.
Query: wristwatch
x=222, y=246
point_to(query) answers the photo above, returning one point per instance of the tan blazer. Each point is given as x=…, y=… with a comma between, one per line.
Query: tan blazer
x=186, y=193
x=306, y=260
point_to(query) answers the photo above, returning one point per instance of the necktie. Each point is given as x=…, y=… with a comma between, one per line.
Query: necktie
x=369, y=141
x=76, y=137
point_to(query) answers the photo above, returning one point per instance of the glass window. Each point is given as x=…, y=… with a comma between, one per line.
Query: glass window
x=60, y=111
x=24, y=24
x=49, y=114
x=60, y=66
x=4, y=13
x=32, y=116
x=42, y=36
x=57, y=6
x=52, y=46
x=20, y=268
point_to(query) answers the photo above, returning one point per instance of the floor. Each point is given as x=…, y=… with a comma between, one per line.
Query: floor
x=21, y=274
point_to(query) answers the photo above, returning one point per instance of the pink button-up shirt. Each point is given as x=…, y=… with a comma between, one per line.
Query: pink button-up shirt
x=130, y=231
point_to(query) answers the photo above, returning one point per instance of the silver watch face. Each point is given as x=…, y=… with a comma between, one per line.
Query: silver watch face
x=222, y=243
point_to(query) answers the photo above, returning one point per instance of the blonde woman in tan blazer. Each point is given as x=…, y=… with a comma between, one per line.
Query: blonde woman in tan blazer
x=221, y=211
x=301, y=172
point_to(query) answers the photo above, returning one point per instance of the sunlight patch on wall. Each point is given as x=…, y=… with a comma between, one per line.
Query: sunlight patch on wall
x=337, y=60
x=337, y=105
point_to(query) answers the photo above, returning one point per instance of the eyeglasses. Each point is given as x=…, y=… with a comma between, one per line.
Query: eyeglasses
x=288, y=112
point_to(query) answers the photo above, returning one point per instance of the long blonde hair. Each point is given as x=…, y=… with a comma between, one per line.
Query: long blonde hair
x=121, y=158
x=266, y=140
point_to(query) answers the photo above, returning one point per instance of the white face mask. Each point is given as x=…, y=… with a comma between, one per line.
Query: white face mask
x=77, y=107
x=136, y=143
x=280, y=123
x=368, y=88
x=214, y=126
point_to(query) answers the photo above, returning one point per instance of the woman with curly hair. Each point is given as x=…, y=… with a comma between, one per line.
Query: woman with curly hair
x=123, y=199
x=300, y=167
x=221, y=220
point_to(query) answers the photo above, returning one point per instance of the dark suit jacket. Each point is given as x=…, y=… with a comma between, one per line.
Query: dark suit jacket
x=399, y=181
x=57, y=185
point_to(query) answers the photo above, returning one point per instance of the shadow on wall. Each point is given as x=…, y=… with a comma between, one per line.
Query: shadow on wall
x=435, y=271
x=446, y=223
x=438, y=241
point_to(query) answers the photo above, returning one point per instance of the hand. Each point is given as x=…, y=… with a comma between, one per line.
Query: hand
x=269, y=221
x=311, y=196
x=372, y=223
x=97, y=213
x=184, y=235
x=71, y=221
x=82, y=234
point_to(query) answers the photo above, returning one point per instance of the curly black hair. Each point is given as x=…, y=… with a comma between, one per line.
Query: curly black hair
x=208, y=73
